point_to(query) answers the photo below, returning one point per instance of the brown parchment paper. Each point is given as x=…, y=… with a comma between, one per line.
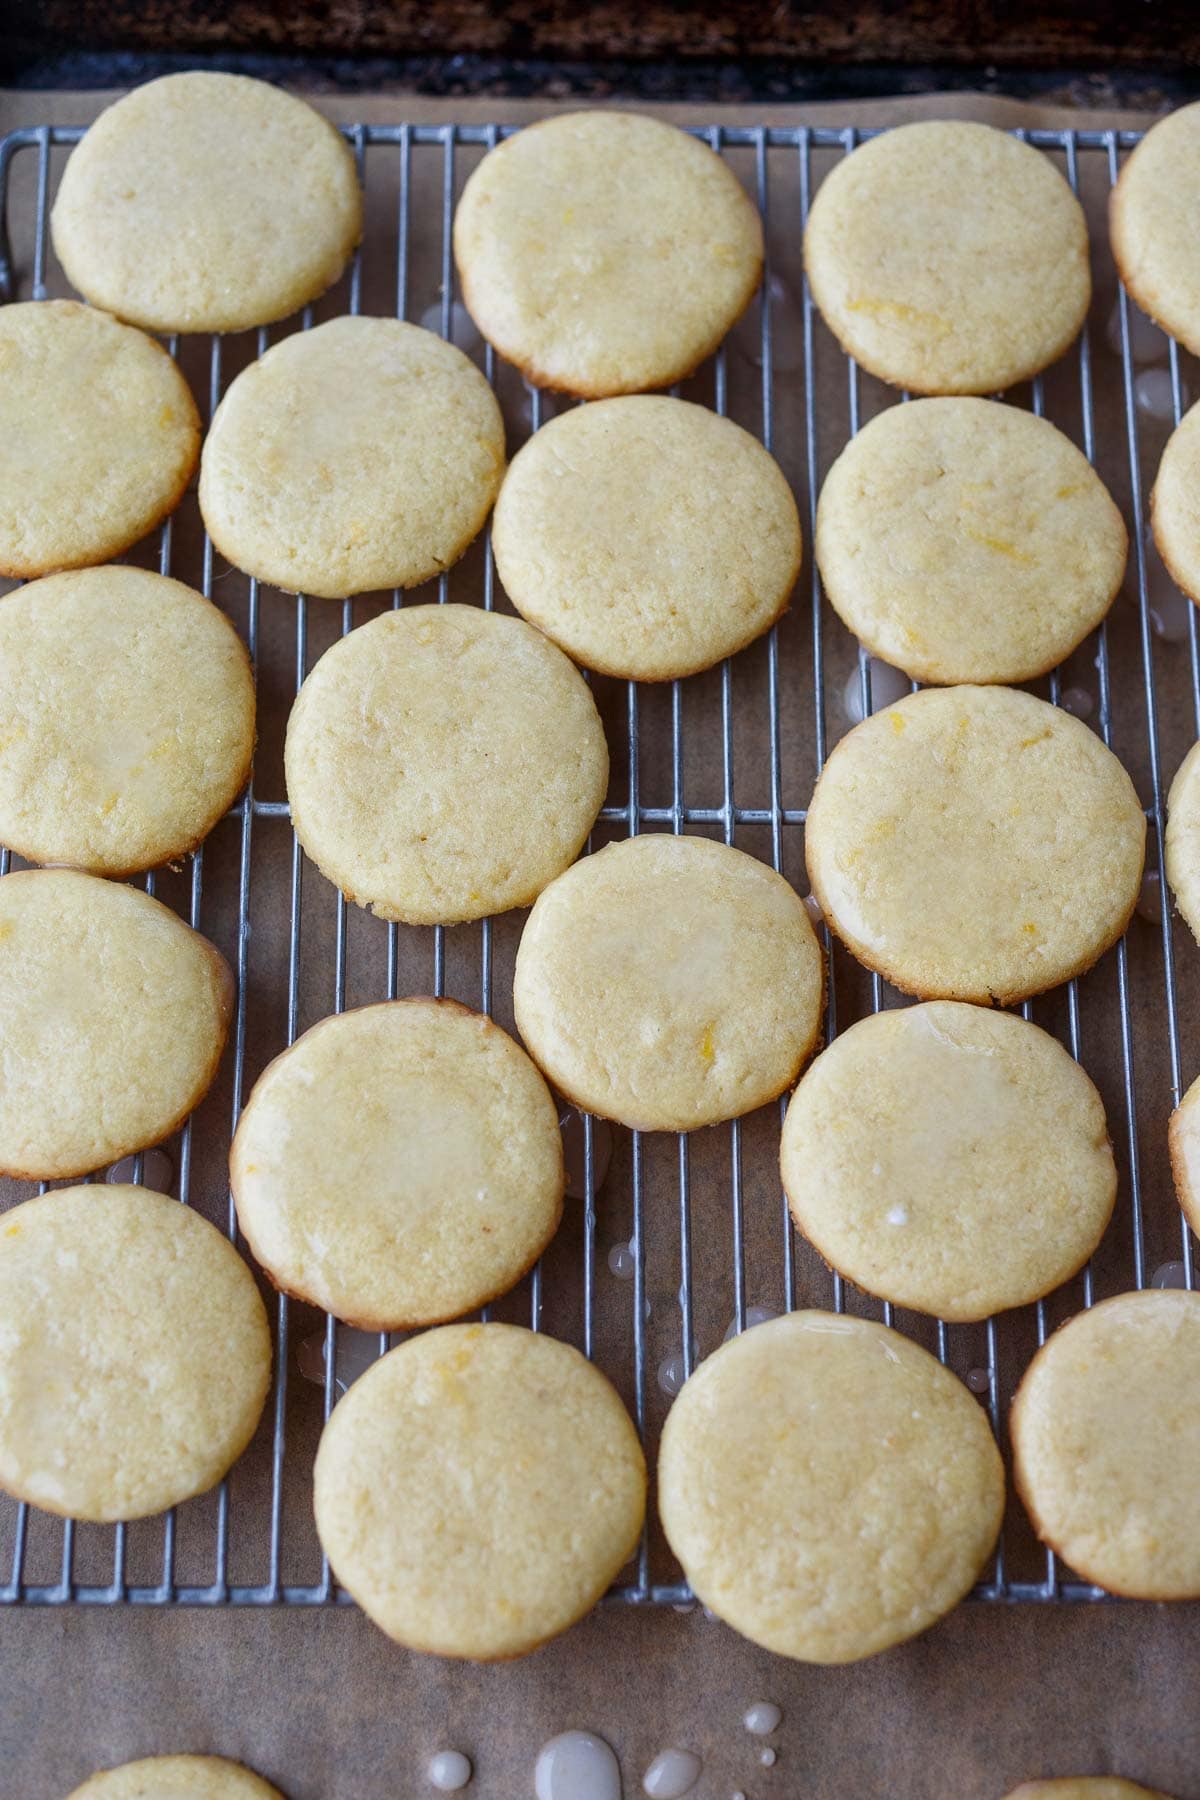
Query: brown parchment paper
x=316, y=1699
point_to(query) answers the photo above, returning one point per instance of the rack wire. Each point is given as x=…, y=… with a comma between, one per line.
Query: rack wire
x=699, y=1222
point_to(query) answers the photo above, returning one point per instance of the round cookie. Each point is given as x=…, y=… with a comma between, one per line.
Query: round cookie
x=135, y=1358
x=176, y=1778
x=128, y=707
x=669, y=982
x=444, y=763
x=1150, y=215
x=99, y=436
x=115, y=1015
x=964, y=540
x=363, y=454
x=478, y=1489
x=206, y=202
x=1183, y=1137
x=1175, y=505
x=1105, y=1432
x=949, y=258
x=949, y=1158
x=648, y=537
x=1085, y=1787
x=605, y=252
x=973, y=843
x=829, y=1488
x=399, y=1165
x=1183, y=838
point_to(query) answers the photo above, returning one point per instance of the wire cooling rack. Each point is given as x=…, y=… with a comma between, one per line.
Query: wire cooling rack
x=668, y=1243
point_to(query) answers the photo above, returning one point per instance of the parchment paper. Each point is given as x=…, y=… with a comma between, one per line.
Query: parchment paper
x=316, y=1699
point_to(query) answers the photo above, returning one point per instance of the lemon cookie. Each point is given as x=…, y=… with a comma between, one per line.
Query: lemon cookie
x=363, y=454
x=115, y=1015
x=1150, y=222
x=950, y=1159
x=963, y=540
x=1105, y=1432
x=401, y=1164
x=176, y=1778
x=206, y=202
x=1085, y=1787
x=135, y=1357
x=974, y=843
x=1183, y=838
x=949, y=258
x=478, y=1489
x=1183, y=1137
x=829, y=1488
x=668, y=982
x=99, y=435
x=647, y=536
x=605, y=252
x=128, y=708
x=444, y=763
x=1175, y=505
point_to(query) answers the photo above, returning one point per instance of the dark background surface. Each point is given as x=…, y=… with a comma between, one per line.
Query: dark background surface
x=1084, y=52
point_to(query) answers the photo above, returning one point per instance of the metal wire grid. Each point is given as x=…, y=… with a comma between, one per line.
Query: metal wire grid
x=632, y=815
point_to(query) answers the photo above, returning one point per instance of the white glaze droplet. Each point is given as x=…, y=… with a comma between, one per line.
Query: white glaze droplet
x=1169, y=1275
x=573, y=1127
x=310, y=1357
x=622, y=1261
x=979, y=1381
x=1146, y=342
x=1169, y=618
x=672, y=1774
x=887, y=684
x=1170, y=611
x=812, y=907
x=897, y=1215
x=539, y=399
x=1155, y=397
x=787, y=344
x=355, y=1352
x=755, y=1315
x=517, y=405
x=767, y=1757
x=158, y=1171
x=576, y=1765
x=1149, y=900
x=449, y=1771
x=762, y=1718
x=463, y=331
x=670, y=1374
x=1078, y=702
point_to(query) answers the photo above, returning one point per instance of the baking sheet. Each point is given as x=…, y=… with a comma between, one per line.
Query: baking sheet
x=316, y=1699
